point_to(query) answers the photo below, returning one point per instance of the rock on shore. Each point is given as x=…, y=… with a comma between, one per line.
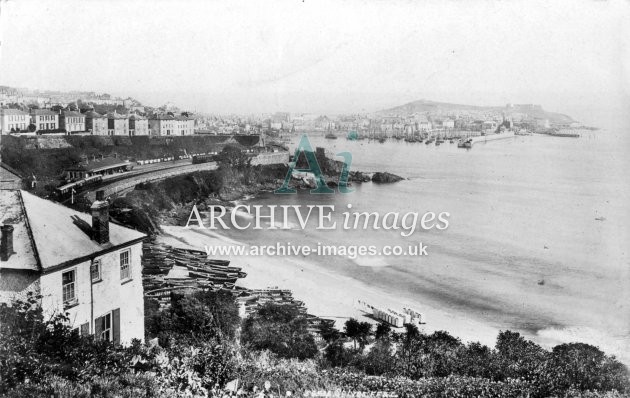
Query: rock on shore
x=359, y=176
x=385, y=178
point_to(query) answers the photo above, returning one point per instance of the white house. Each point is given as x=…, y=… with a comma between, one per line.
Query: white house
x=79, y=263
x=13, y=119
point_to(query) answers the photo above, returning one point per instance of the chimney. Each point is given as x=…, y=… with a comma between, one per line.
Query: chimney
x=6, y=242
x=100, y=219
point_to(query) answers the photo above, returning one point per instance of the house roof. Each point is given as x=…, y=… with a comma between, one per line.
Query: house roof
x=43, y=112
x=12, y=210
x=8, y=111
x=161, y=116
x=47, y=234
x=8, y=173
x=72, y=114
x=114, y=115
x=94, y=115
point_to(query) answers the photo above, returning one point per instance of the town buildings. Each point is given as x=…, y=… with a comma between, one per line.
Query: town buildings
x=117, y=124
x=45, y=119
x=12, y=120
x=166, y=124
x=80, y=264
x=96, y=124
x=138, y=125
x=72, y=122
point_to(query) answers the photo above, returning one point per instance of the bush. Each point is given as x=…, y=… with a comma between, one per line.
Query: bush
x=32, y=348
x=280, y=329
x=256, y=368
x=194, y=318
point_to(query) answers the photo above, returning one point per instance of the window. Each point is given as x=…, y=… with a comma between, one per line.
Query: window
x=68, y=289
x=107, y=327
x=104, y=325
x=95, y=271
x=125, y=266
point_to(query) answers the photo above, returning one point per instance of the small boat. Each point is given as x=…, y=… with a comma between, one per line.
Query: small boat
x=464, y=143
x=224, y=269
x=329, y=134
x=218, y=262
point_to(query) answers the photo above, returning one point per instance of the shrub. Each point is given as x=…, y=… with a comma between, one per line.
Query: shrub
x=201, y=316
x=280, y=329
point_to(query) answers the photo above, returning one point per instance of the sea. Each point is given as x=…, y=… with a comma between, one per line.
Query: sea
x=538, y=235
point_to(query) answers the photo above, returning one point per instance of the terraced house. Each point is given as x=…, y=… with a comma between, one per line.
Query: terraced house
x=12, y=120
x=72, y=122
x=165, y=124
x=138, y=125
x=96, y=123
x=44, y=119
x=79, y=263
x=117, y=124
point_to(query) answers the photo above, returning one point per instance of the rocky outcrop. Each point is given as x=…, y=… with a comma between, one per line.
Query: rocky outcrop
x=359, y=176
x=385, y=178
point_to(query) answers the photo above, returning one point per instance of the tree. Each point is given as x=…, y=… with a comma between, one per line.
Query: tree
x=197, y=317
x=328, y=332
x=476, y=360
x=518, y=357
x=351, y=330
x=232, y=157
x=357, y=331
x=336, y=355
x=380, y=359
x=382, y=331
x=584, y=367
x=365, y=329
x=280, y=329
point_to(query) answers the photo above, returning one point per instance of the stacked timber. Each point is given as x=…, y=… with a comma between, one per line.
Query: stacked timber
x=203, y=273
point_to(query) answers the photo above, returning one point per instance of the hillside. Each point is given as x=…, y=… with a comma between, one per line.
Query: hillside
x=427, y=106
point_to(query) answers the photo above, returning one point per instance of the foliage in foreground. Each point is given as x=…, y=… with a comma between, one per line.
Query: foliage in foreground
x=200, y=358
x=280, y=329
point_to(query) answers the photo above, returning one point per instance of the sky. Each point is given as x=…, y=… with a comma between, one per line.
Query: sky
x=323, y=56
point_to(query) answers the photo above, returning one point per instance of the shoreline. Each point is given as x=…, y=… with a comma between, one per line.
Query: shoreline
x=326, y=293
x=332, y=295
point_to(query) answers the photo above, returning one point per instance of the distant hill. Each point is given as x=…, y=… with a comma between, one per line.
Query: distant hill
x=427, y=106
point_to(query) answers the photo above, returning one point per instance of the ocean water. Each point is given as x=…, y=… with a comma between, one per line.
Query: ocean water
x=538, y=234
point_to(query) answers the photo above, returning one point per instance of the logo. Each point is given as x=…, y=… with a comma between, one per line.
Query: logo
x=305, y=147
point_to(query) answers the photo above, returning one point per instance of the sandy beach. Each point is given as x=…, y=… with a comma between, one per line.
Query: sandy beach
x=325, y=294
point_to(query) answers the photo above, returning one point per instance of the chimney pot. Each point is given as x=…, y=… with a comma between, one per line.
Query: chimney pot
x=6, y=242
